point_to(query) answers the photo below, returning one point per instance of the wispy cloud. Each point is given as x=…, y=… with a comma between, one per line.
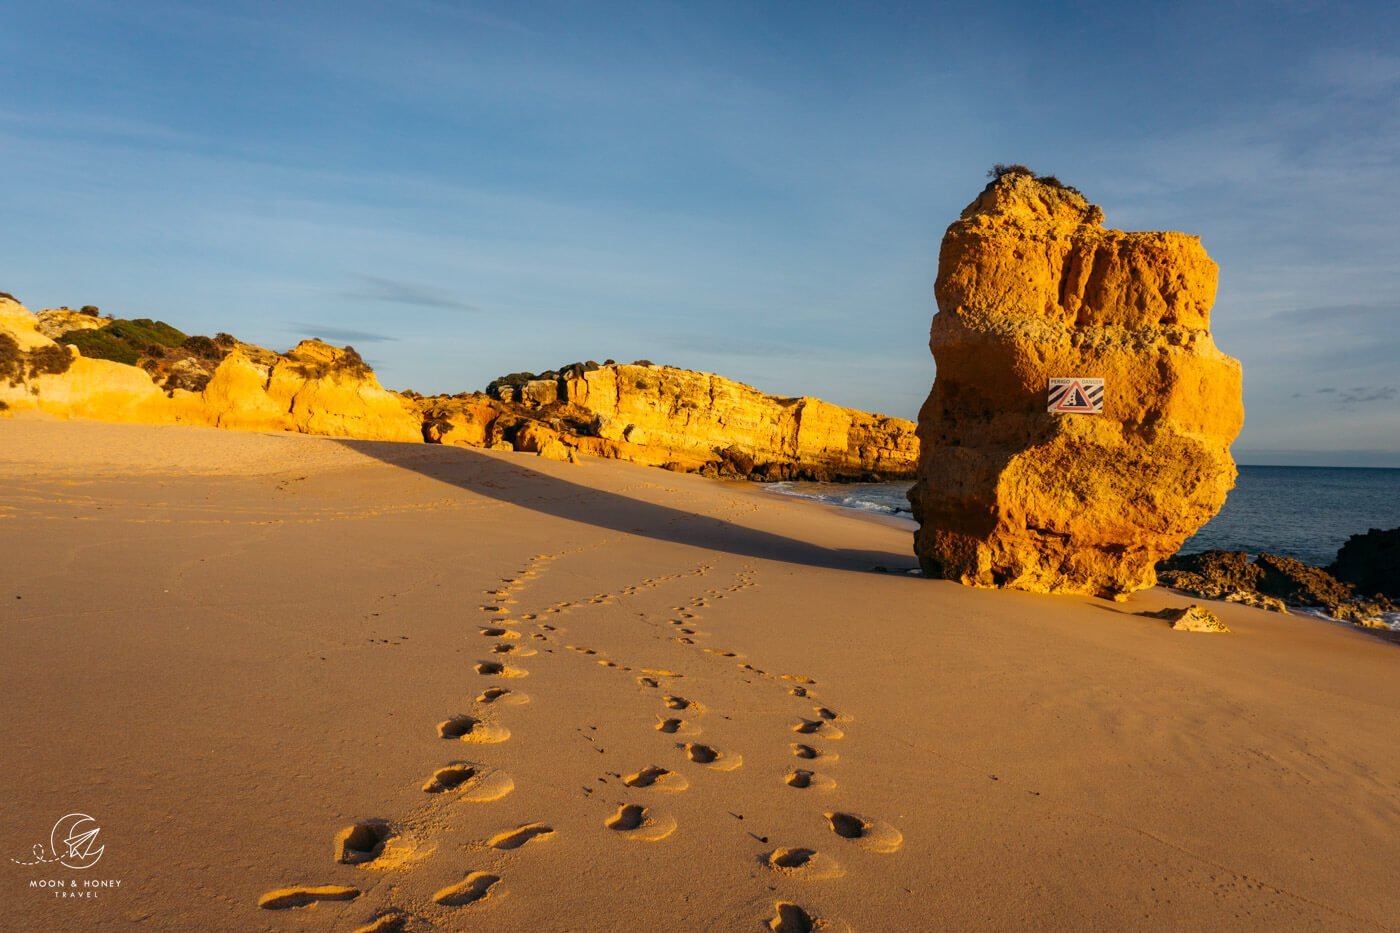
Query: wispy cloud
x=391, y=291
x=723, y=345
x=345, y=334
x=94, y=125
x=1363, y=394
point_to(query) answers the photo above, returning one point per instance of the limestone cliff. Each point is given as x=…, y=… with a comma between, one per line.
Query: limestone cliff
x=313, y=389
x=1031, y=287
x=38, y=374
x=153, y=373
x=683, y=420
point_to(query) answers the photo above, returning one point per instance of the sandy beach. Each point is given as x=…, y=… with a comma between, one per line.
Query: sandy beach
x=607, y=697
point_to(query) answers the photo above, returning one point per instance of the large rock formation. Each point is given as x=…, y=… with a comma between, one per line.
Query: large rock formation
x=153, y=373
x=45, y=376
x=1371, y=562
x=313, y=389
x=1031, y=287
x=683, y=420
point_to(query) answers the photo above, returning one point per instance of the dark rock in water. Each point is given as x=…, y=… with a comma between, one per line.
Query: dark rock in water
x=1297, y=583
x=1371, y=562
x=1270, y=582
x=1218, y=574
x=1215, y=574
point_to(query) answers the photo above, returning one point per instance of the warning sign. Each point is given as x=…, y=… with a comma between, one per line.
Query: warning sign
x=1075, y=395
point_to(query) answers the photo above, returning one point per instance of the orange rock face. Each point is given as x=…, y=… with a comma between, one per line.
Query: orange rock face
x=1031, y=287
x=683, y=420
x=683, y=416
x=312, y=389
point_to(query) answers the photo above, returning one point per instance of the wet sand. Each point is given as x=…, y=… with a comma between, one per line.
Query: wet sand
x=307, y=684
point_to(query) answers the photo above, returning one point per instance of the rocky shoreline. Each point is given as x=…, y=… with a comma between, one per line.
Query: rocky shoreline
x=1360, y=586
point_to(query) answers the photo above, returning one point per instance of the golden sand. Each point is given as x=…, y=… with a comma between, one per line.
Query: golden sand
x=254, y=660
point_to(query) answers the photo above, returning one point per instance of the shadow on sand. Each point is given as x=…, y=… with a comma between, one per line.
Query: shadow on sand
x=521, y=486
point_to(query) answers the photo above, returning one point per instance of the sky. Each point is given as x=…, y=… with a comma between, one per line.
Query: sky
x=462, y=190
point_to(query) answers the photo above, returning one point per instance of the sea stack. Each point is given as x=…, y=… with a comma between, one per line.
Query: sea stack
x=1079, y=425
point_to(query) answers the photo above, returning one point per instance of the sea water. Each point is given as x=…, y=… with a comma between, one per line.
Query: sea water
x=1301, y=512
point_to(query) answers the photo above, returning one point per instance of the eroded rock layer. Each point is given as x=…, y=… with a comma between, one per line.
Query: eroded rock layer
x=314, y=388
x=79, y=364
x=679, y=419
x=1032, y=287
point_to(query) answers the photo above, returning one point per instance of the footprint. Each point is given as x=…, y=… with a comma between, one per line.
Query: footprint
x=580, y=650
x=516, y=651
x=798, y=691
x=503, y=695
x=661, y=672
x=868, y=834
x=283, y=898
x=712, y=758
x=722, y=654
x=515, y=838
x=492, y=609
x=658, y=778
x=809, y=753
x=648, y=682
x=794, y=919
x=677, y=727
x=391, y=922
x=639, y=823
x=491, y=632
x=799, y=679
x=828, y=714
x=802, y=779
x=804, y=864
x=470, y=782
x=497, y=669
x=818, y=727
x=680, y=703
x=473, y=730
x=472, y=889
x=361, y=842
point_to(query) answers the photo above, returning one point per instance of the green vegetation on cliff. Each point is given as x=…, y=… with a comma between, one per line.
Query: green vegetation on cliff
x=125, y=341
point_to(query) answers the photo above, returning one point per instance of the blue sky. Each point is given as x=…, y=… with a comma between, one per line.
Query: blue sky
x=462, y=190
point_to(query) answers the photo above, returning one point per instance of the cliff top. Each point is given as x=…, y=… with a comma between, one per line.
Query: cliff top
x=1017, y=194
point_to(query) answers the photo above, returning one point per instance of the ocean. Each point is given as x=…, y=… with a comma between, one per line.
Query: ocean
x=1301, y=512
